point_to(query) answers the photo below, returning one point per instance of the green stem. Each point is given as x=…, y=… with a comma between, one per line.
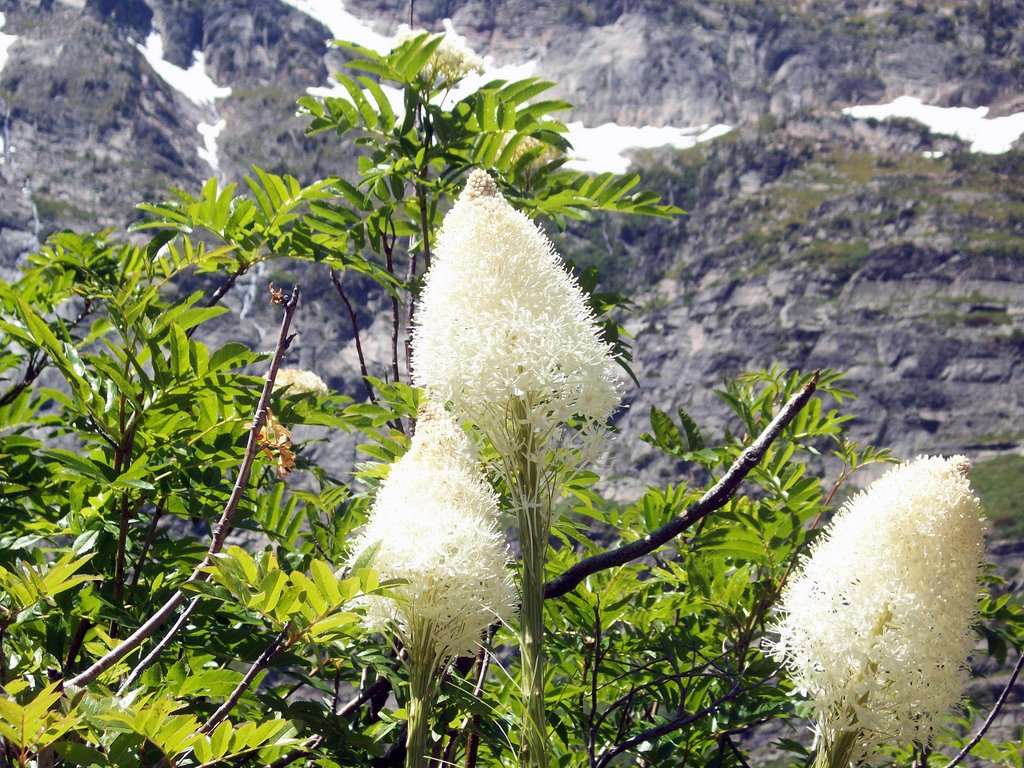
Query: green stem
x=423, y=672
x=533, y=749
x=836, y=753
x=534, y=513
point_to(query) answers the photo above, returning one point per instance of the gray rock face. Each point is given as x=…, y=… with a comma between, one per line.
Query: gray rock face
x=812, y=240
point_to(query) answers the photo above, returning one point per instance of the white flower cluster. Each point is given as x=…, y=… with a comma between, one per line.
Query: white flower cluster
x=451, y=62
x=434, y=524
x=876, y=626
x=300, y=382
x=501, y=325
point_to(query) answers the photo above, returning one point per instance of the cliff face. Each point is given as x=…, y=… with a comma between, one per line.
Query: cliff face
x=825, y=244
x=812, y=239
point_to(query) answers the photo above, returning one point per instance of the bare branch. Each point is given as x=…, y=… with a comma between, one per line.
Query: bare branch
x=379, y=686
x=154, y=654
x=36, y=365
x=665, y=728
x=480, y=673
x=224, y=287
x=396, y=313
x=277, y=645
x=354, y=319
x=714, y=499
x=991, y=715
x=297, y=754
x=223, y=526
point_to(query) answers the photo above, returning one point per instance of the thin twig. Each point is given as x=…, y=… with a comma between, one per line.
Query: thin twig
x=146, y=544
x=297, y=754
x=991, y=715
x=735, y=750
x=592, y=729
x=226, y=286
x=355, y=335
x=396, y=312
x=154, y=654
x=32, y=370
x=36, y=365
x=673, y=725
x=223, y=526
x=277, y=645
x=379, y=686
x=473, y=726
x=714, y=499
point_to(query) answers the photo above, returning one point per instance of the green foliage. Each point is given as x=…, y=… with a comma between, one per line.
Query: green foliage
x=1000, y=485
x=125, y=442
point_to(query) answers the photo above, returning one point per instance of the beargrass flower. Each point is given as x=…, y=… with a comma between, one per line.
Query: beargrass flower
x=501, y=322
x=433, y=530
x=504, y=334
x=299, y=382
x=434, y=527
x=876, y=626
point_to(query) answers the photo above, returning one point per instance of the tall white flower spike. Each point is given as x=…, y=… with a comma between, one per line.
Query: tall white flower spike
x=501, y=321
x=433, y=528
x=876, y=626
x=505, y=335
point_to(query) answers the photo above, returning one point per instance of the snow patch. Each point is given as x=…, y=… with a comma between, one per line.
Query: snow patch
x=342, y=24
x=196, y=86
x=993, y=136
x=193, y=83
x=210, y=132
x=597, y=150
x=6, y=41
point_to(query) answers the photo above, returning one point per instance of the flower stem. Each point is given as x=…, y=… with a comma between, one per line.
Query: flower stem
x=836, y=753
x=533, y=749
x=423, y=673
x=533, y=507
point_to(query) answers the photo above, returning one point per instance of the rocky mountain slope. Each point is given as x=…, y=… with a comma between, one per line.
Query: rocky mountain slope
x=812, y=239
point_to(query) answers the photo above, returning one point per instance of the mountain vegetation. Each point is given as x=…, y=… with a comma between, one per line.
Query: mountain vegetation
x=207, y=377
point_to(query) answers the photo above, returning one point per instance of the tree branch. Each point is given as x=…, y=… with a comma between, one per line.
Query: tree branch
x=226, y=286
x=355, y=335
x=36, y=365
x=223, y=526
x=673, y=725
x=714, y=499
x=991, y=715
x=277, y=645
x=154, y=654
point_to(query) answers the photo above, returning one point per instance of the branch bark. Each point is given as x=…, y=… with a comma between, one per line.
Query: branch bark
x=220, y=530
x=991, y=715
x=716, y=498
x=354, y=319
x=277, y=645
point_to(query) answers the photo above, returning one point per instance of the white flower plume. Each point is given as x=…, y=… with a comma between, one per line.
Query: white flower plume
x=876, y=626
x=500, y=321
x=434, y=526
x=299, y=381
